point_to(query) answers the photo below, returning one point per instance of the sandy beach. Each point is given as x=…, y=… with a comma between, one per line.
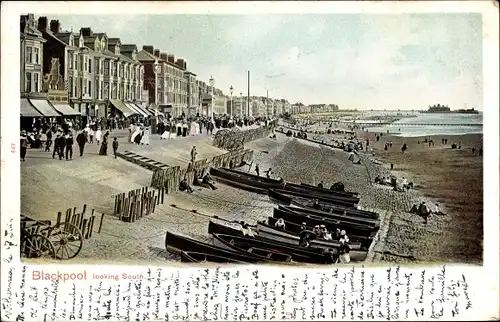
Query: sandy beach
x=453, y=178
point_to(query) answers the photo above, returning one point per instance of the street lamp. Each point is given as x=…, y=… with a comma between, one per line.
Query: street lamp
x=156, y=68
x=241, y=105
x=211, y=81
x=231, y=92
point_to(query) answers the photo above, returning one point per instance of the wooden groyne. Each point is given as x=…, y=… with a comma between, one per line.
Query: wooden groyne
x=231, y=139
x=80, y=220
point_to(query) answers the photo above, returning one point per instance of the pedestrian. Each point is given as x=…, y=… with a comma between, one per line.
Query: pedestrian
x=24, y=144
x=69, y=146
x=62, y=144
x=115, y=146
x=91, y=135
x=98, y=136
x=56, y=145
x=104, y=146
x=193, y=155
x=473, y=150
x=268, y=173
x=257, y=170
x=48, y=142
x=80, y=139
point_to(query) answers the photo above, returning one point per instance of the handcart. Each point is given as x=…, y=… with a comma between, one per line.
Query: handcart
x=39, y=239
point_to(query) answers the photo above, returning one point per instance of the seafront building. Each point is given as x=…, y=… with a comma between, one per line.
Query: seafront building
x=91, y=74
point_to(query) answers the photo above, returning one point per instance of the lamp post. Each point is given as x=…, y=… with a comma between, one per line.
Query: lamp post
x=156, y=67
x=241, y=104
x=231, y=92
x=211, y=81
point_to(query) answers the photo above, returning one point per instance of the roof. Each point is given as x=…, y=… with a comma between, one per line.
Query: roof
x=48, y=34
x=109, y=53
x=113, y=41
x=125, y=58
x=100, y=34
x=144, y=56
x=128, y=48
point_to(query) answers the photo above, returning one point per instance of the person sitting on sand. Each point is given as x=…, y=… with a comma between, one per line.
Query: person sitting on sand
x=404, y=148
x=320, y=184
x=424, y=211
x=316, y=204
x=268, y=173
x=184, y=186
x=207, y=179
x=280, y=224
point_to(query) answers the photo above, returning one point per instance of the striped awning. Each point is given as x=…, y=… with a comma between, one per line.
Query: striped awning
x=127, y=112
x=28, y=110
x=44, y=107
x=134, y=108
x=65, y=109
x=144, y=110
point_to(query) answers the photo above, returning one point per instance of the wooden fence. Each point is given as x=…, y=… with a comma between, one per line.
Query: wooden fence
x=170, y=178
x=137, y=203
x=86, y=225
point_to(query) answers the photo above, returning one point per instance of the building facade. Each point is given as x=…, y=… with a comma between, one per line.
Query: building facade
x=31, y=64
x=193, y=97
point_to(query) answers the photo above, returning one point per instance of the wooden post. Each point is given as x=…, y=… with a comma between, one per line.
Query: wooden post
x=66, y=219
x=115, y=210
x=155, y=202
x=59, y=215
x=77, y=219
x=74, y=211
x=84, y=209
x=158, y=199
x=100, y=224
x=131, y=209
x=162, y=195
x=91, y=229
x=84, y=227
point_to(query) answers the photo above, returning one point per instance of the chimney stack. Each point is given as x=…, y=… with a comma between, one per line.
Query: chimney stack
x=149, y=49
x=171, y=59
x=42, y=24
x=180, y=63
x=163, y=56
x=86, y=32
x=185, y=66
x=157, y=52
x=55, y=26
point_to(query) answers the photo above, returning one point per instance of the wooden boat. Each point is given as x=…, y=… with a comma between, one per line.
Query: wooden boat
x=347, y=217
x=176, y=244
x=289, y=197
x=307, y=188
x=364, y=235
x=194, y=257
x=268, y=250
x=245, y=181
x=350, y=212
x=285, y=236
x=215, y=228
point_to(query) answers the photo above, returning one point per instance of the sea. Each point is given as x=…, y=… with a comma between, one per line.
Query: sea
x=429, y=119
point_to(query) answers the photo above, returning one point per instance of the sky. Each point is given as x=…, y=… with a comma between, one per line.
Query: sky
x=362, y=61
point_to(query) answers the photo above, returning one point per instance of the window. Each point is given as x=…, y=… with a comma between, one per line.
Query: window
x=90, y=88
x=97, y=62
x=75, y=61
x=37, y=55
x=29, y=54
x=28, y=82
x=70, y=87
x=106, y=68
x=85, y=63
x=90, y=65
x=35, y=82
x=84, y=89
x=75, y=87
x=115, y=69
x=70, y=62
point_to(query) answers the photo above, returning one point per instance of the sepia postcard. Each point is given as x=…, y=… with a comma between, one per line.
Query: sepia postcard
x=196, y=161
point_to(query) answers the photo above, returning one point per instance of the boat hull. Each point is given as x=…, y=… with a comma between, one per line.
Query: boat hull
x=195, y=257
x=283, y=196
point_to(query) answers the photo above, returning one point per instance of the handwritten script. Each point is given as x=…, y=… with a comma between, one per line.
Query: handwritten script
x=235, y=293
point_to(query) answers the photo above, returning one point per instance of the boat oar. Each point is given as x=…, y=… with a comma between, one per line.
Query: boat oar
x=194, y=211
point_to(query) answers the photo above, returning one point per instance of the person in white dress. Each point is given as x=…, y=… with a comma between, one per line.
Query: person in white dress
x=98, y=135
x=192, y=129
x=135, y=134
x=145, y=137
x=166, y=134
x=197, y=128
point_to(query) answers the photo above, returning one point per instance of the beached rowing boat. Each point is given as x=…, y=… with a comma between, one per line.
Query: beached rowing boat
x=195, y=257
x=176, y=244
x=245, y=180
x=307, y=188
x=347, y=216
x=269, y=250
x=334, y=209
x=268, y=231
x=288, y=197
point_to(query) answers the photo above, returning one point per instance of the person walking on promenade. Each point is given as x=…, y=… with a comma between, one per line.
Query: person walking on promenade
x=98, y=136
x=24, y=144
x=80, y=139
x=69, y=146
x=48, y=142
x=104, y=146
x=210, y=127
x=91, y=135
x=115, y=146
x=56, y=145
x=193, y=155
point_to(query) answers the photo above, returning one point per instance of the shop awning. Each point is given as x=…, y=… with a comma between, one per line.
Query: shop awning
x=143, y=109
x=28, y=110
x=122, y=108
x=134, y=108
x=44, y=107
x=65, y=110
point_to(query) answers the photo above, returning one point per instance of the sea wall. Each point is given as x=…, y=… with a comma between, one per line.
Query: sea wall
x=233, y=140
x=170, y=178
